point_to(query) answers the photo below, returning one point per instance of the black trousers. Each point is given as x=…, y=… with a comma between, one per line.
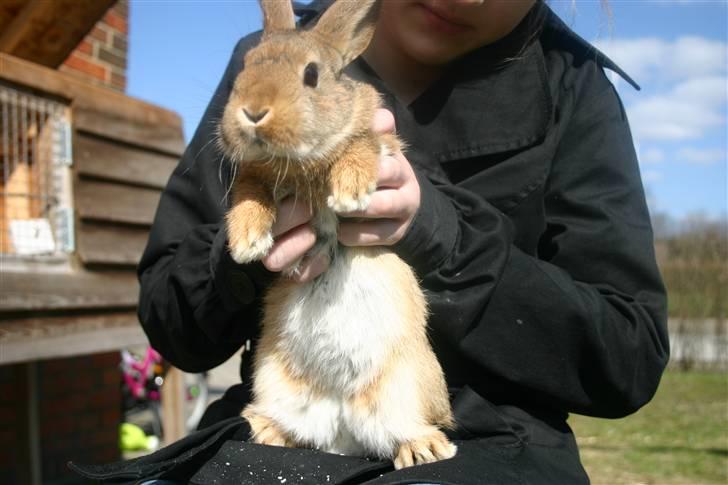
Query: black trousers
x=524, y=453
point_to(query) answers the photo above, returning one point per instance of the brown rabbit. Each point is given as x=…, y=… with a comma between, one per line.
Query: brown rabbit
x=343, y=363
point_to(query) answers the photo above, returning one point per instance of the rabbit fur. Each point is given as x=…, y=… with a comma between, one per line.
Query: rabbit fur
x=343, y=363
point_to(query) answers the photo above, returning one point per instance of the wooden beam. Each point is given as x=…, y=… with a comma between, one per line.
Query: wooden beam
x=173, y=406
x=22, y=25
x=46, y=31
x=30, y=339
x=9, y=9
x=81, y=289
x=104, y=159
x=163, y=138
x=111, y=202
x=111, y=244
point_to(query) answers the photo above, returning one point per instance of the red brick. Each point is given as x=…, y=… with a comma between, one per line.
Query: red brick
x=54, y=385
x=118, y=81
x=104, y=360
x=121, y=8
x=111, y=376
x=116, y=21
x=99, y=33
x=89, y=422
x=68, y=404
x=86, y=47
x=107, y=454
x=88, y=68
x=112, y=58
x=102, y=437
x=120, y=42
x=110, y=418
x=60, y=425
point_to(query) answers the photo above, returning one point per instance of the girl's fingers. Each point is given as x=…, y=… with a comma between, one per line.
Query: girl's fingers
x=289, y=248
x=383, y=204
x=310, y=268
x=384, y=232
x=291, y=213
x=391, y=172
x=383, y=121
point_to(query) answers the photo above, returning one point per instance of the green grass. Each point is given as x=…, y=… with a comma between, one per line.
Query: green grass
x=681, y=437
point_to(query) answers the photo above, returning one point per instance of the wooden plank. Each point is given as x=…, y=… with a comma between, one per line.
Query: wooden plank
x=102, y=158
x=34, y=14
x=173, y=406
x=66, y=291
x=109, y=124
x=46, y=32
x=103, y=201
x=111, y=244
x=29, y=339
x=94, y=104
x=9, y=10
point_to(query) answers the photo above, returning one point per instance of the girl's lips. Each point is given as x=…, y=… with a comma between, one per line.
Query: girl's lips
x=439, y=21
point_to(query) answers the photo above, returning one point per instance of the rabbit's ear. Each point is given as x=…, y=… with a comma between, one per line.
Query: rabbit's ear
x=349, y=26
x=277, y=15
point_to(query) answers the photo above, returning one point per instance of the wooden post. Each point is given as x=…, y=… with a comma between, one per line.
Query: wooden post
x=173, y=406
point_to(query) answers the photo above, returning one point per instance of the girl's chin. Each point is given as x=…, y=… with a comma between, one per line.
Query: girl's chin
x=434, y=54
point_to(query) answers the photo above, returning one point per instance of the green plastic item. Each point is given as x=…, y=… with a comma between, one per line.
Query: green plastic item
x=133, y=438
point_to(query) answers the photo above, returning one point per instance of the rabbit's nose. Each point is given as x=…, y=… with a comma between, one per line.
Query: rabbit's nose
x=255, y=117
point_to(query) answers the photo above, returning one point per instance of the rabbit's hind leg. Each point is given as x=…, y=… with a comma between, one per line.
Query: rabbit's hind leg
x=265, y=431
x=394, y=420
x=287, y=410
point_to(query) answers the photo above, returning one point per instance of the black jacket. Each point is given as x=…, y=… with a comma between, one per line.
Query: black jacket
x=533, y=239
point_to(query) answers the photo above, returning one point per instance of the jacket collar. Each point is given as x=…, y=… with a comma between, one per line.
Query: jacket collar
x=495, y=99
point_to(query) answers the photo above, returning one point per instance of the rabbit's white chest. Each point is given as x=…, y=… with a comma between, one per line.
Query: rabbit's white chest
x=338, y=329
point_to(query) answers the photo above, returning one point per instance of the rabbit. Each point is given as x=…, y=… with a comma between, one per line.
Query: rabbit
x=343, y=363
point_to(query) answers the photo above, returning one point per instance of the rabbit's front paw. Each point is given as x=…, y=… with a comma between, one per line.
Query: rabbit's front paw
x=249, y=225
x=429, y=448
x=250, y=247
x=350, y=195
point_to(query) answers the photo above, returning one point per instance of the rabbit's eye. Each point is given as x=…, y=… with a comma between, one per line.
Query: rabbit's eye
x=310, y=75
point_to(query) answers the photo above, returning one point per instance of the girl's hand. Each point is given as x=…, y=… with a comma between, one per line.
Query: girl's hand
x=393, y=205
x=293, y=238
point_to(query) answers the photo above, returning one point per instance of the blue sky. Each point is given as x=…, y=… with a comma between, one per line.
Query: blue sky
x=675, y=49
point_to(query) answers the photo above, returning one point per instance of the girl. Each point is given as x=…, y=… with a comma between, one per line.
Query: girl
x=519, y=205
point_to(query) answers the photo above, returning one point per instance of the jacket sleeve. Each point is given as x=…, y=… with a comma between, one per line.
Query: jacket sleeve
x=581, y=326
x=196, y=305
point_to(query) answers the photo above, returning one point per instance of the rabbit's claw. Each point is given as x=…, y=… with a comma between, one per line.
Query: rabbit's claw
x=426, y=449
x=264, y=431
x=250, y=247
x=349, y=199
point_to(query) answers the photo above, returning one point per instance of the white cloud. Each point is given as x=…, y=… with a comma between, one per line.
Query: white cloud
x=651, y=176
x=710, y=90
x=637, y=57
x=686, y=112
x=701, y=156
x=698, y=56
x=650, y=58
x=651, y=156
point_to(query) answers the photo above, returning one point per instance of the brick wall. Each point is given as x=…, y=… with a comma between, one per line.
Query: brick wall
x=79, y=412
x=101, y=57
x=15, y=454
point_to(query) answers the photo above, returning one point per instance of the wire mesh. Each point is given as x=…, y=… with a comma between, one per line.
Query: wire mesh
x=33, y=135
